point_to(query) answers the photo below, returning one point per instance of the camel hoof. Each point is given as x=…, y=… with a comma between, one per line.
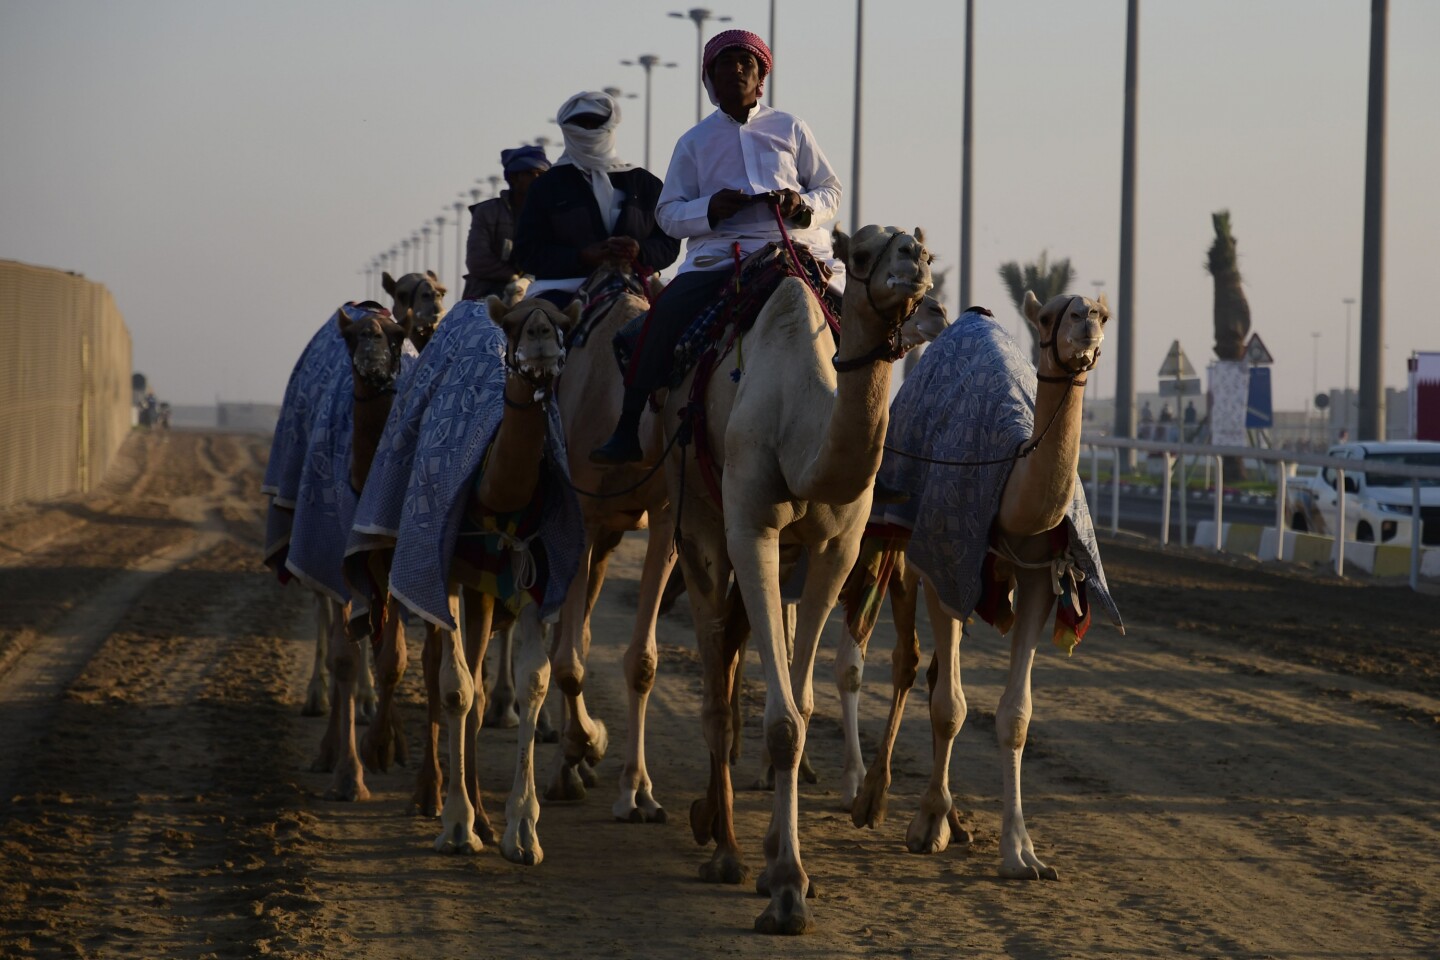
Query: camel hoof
x=807, y=772
x=766, y=782
x=482, y=828
x=502, y=715
x=425, y=801
x=724, y=867
x=702, y=821
x=1029, y=869
x=317, y=699
x=928, y=833
x=365, y=712
x=958, y=832
x=348, y=792
x=787, y=915
x=641, y=815
x=870, y=805
x=587, y=774
x=566, y=786
x=459, y=840
x=522, y=844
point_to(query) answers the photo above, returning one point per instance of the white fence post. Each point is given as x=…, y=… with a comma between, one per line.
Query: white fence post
x=1280, y=512
x=1165, y=504
x=1340, y=524
x=1219, y=499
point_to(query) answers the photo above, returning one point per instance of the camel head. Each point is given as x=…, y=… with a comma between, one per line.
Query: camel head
x=373, y=341
x=535, y=339
x=1069, y=330
x=419, y=304
x=891, y=267
x=927, y=322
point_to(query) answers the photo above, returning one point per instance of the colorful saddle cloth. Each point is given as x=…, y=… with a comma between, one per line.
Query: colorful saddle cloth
x=972, y=398
x=738, y=306
x=439, y=431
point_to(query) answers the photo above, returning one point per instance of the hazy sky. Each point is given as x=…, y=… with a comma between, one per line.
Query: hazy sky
x=226, y=169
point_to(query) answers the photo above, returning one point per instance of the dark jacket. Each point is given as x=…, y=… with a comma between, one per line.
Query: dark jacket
x=561, y=217
x=489, y=253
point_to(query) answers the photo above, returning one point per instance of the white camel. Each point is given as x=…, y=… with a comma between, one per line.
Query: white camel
x=798, y=445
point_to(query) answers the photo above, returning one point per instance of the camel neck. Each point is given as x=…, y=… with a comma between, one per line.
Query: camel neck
x=512, y=465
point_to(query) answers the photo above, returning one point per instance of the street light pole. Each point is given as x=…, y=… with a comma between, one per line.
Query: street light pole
x=700, y=15
x=770, y=93
x=1315, y=373
x=1349, y=302
x=966, y=155
x=855, y=149
x=459, y=206
x=648, y=61
x=425, y=261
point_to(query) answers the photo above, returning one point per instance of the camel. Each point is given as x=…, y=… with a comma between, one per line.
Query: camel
x=1034, y=554
x=374, y=343
x=417, y=305
x=796, y=425
x=589, y=397
x=506, y=485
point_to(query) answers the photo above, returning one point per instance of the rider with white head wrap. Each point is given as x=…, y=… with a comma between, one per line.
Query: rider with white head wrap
x=591, y=207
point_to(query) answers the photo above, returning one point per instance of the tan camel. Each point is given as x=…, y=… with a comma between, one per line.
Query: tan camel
x=373, y=342
x=799, y=445
x=1035, y=498
x=589, y=394
x=534, y=334
x=417, y=305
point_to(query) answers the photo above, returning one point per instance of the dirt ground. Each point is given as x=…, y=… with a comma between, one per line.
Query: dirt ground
x=1252, y=771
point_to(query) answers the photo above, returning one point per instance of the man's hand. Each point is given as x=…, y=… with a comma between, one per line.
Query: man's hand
x=622, y=249
x=724, y=204
x=595, y=254
x=789, y=202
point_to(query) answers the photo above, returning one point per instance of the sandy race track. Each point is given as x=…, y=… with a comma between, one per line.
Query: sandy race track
x=1253, y=771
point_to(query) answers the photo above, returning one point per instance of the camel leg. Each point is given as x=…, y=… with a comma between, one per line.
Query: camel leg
x=868, y=810
x=500, y=710
x=849, y=672
x=330, y=742
x=457, y=696
x=521, y=843
x=637, y=803
x=584, y=739
x=737, y=690
x=931, y=830
x=478, y=611
x=317, y=691
x=366, y=701
x=425, y=801
x=789, y=702
x=807, y=772
x=720, y=628
x=1034, y=600
x=384, y=742
x=348, y=782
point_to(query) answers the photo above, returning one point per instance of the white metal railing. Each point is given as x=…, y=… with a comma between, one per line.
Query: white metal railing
x=1281, y=458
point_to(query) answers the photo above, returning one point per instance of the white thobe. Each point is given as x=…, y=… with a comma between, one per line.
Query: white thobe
x=771, y=150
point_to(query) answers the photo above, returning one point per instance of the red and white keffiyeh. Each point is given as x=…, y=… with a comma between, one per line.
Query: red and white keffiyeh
x=743, y=39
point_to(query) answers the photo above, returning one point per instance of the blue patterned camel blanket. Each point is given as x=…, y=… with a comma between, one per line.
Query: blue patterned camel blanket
x=309, y=380
x=434, y=443
x=971, y=397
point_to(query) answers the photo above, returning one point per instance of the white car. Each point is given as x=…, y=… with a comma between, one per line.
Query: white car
x=1377, y=505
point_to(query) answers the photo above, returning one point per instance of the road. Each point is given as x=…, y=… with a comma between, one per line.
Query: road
x=1249, y=771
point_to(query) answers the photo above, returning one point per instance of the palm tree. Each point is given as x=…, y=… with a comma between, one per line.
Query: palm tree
x=1045, y=278
x=1232, y=312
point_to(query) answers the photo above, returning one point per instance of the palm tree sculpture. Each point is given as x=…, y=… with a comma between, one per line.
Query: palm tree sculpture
x=1045, y=278
x=1232, y=312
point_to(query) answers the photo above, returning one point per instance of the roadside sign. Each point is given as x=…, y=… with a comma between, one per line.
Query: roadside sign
x=1256, y=353
x=1176, y=364
x=1180, y=388
x=1258, y=413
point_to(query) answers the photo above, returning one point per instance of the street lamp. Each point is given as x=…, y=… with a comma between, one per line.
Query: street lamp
x=425, y=262
x=439, y=241
x=459, y=205
x=700, y=15
x=647, y=61
x=1315, y=370
x=405, y=249
x=1349, y=302
x=415, y=249
x=495, y=180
